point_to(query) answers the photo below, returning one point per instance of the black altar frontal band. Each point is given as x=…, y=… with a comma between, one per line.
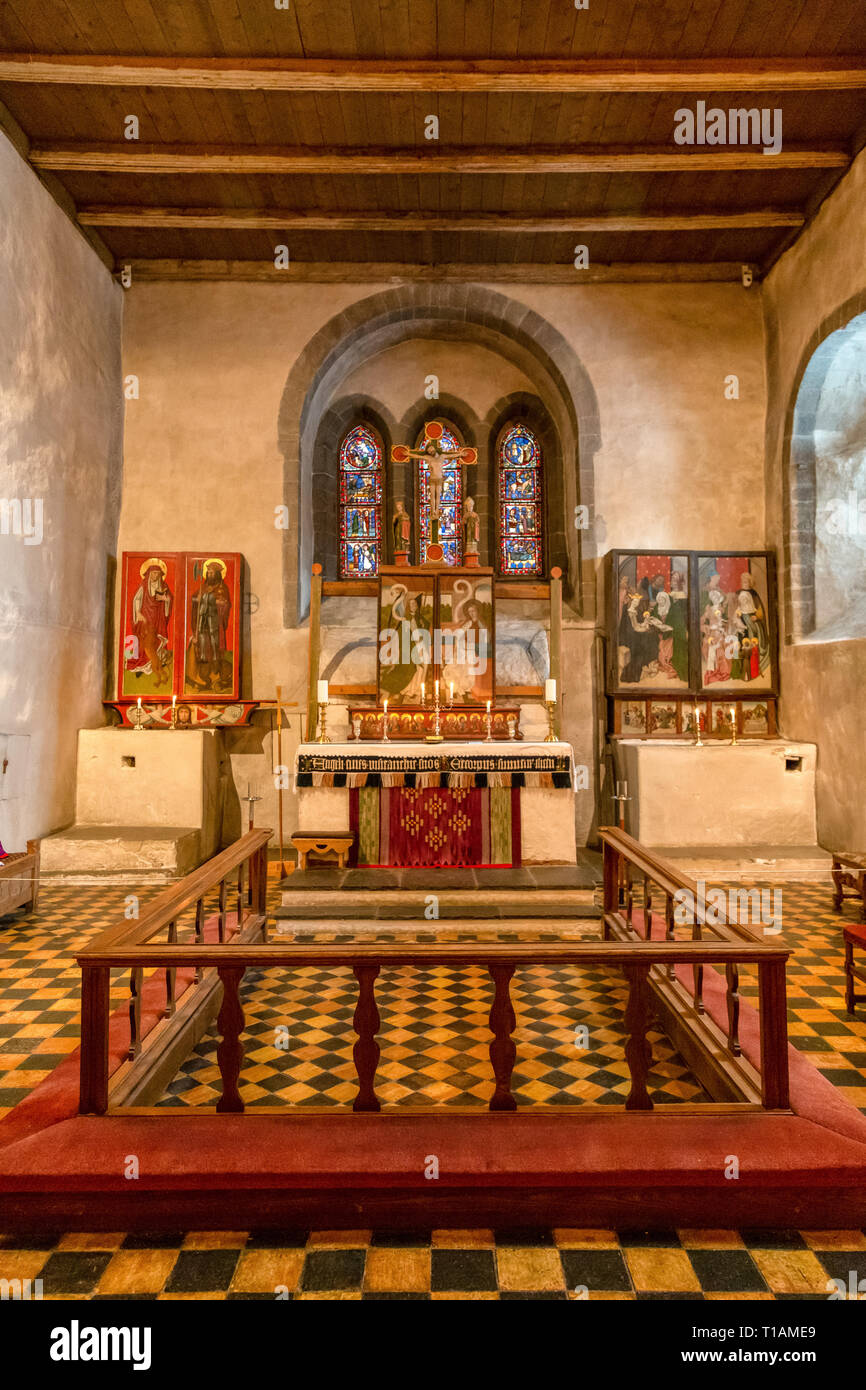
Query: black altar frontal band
x=441, y=770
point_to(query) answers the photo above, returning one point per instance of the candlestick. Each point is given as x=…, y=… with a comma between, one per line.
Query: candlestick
x=550, y=690
x=423, y=692
x=385, y=738
x=174, y=711
x=550, y=706
x=138, y=723
x=436, y=736
x=699, y=743
x=451, y=693
x=489, y=720
x=323, y=714
x=733, y=723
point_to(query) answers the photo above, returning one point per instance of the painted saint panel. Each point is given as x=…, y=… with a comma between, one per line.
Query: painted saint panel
x=736, y=620
x=150, y=604
x=649, y=639
x=212, y=611
x=405, y=637
x=466, y=625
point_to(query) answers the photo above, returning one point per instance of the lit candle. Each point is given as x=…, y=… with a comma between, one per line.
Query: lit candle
x=386, y=709
x=488, y=706
x=550, y=692
x=733, y=716
x=139, y=702
x=436, y=690
x=697, y=718
x=423, y=692
x=322, y=688
x=451, y=693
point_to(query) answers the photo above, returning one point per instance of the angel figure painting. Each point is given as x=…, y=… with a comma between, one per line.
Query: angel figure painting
x=466, y=624
x=405, y=639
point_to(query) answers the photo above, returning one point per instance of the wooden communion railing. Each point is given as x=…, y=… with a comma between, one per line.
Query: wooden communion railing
x=134, y=947
x=238, y=879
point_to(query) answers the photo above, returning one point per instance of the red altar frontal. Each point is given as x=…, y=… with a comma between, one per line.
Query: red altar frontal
x=436, y=827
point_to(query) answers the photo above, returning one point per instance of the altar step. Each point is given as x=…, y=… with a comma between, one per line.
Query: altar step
x=545, y=891
x=133, y=854
x=751, y=863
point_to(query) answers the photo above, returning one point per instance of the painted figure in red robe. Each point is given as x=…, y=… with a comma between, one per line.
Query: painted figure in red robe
x=151, y=611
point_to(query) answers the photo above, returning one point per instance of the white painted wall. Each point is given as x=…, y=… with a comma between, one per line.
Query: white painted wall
x=60, y=445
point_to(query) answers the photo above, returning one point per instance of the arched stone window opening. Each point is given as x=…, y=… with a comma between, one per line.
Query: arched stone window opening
x=520, y=502
x=361, y=491
x=827, y=491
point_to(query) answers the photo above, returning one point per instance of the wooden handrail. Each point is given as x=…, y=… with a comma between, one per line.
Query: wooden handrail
x=172, y=901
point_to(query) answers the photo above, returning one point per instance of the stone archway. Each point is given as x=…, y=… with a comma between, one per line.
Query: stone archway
x=801, y=483
x=464, y=312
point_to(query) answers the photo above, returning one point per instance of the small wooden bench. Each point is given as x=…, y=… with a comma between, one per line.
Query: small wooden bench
x=849, y=872
x=19, y=879
x=323, y=843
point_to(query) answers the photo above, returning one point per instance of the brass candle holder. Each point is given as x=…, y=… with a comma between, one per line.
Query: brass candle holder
x=436, y=736
x=550, y=706
x=385, y=717
x=699, y=742
x=733, y=725
x=489, y=722
x=323, y=715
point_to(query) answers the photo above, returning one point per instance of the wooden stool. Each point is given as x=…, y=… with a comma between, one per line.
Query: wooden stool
x=323, y=842
x=19, y=879
x=849, y=871
x=855, y=939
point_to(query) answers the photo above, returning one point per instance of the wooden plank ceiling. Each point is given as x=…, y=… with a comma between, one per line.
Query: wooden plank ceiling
x=305, y=126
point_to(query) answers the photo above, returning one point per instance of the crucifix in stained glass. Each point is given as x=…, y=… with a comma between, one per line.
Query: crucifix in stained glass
x=440, y=457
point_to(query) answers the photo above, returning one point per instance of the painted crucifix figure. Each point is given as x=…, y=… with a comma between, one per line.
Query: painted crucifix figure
x=437, y=459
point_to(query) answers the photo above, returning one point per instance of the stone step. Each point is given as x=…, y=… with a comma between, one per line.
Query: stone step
x=580, y=926
x=751, y=863
x=451, y=904
x=120, y=853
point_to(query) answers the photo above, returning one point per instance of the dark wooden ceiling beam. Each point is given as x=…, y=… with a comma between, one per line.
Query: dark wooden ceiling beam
x=282, y=219
x=544, y=76
x=376, y=272
x=239, y=159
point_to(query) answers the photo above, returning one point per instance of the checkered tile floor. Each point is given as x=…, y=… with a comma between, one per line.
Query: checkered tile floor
x=434, y=1050
x=519, y=1264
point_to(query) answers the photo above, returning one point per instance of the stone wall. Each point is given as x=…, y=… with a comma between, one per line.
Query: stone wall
x=816, y=288
x=239, y=381
x=60, y=451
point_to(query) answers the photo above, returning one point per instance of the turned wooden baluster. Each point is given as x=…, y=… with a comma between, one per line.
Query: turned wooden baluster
x=240, y=898
x=638, y=1052
x=136, y=975
x=698, y=971
x=366, y=1050
x=502, y=1049
x=230, y=1052
x=199, y=933
x=222, y=910
x=629, y=893
x=647, y=907
x=732, y=975
x=669, y=930
x=170, y=974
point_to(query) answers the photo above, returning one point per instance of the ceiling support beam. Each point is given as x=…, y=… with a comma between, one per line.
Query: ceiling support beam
x=539, y=76
x=240, y=159
x=397, y=272
x=285, y=220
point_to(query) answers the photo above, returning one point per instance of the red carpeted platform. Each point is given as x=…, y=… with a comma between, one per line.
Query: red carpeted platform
x=576, y=1167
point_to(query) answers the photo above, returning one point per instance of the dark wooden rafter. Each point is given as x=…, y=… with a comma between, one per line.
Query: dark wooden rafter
x=541, y=76
x=288, y=220
x=132, y=157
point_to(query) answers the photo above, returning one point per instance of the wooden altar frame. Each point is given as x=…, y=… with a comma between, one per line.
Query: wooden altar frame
x=400, y=573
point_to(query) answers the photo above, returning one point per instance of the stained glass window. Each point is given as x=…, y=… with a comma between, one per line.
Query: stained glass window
x=451, y=503
x=360, y=504
x=521, y=547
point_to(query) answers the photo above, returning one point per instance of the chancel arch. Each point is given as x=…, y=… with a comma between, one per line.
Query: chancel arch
x=826, y=539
